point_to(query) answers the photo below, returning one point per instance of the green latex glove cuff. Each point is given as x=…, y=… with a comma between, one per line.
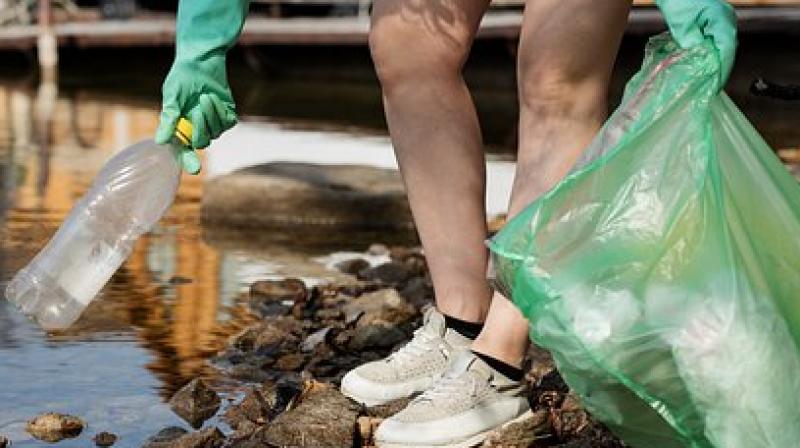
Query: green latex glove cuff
x=200, y=92
x=693, y=21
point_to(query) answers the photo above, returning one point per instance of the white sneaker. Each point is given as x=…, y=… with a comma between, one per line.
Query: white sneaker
x=411, y=369
x=468, y=402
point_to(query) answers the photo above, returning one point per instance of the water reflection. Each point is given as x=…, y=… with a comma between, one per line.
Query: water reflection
x=172, y=305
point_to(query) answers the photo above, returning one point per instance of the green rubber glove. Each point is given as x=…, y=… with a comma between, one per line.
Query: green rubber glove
x=692, y=21
x=197, y=84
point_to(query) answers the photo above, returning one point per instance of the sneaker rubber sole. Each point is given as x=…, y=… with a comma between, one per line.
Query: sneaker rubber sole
x=470, y=442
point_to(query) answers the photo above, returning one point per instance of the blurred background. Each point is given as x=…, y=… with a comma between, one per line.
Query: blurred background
x=307, y=96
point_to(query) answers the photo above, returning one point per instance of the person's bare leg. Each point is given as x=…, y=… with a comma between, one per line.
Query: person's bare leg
x=566, y=56
x=419, y=48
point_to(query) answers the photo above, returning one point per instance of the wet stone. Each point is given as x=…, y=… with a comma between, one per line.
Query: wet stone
x=104, y=439
x=276, y=297
x=388, y=409
x=290, y=362
x=385, y=307
x=53, y=427
x=253, y=373
x=377, y=249
x=391, y=273
x=254, y=409
x=418, y=291
x=375, y=337
x=322, y=418
x=195, y=403
x=165, y=437
x=353, y=266
x=206, y=438
x=523, y=433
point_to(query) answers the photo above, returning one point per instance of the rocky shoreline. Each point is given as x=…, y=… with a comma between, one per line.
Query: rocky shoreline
x=290, y=362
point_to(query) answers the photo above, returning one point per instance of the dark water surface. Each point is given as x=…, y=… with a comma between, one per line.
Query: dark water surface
x=177, y=299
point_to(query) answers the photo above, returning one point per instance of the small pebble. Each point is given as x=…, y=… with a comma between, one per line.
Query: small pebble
x=105, y=439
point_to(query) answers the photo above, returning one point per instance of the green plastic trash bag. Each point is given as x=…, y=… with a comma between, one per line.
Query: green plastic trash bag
x=664, y=271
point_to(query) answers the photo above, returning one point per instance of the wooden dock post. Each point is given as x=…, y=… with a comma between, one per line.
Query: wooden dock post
x=46, y=44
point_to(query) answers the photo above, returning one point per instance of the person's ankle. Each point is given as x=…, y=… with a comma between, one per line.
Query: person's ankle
x=510, y=371
x=464, y=310
x=512, y=358
x=469, y=330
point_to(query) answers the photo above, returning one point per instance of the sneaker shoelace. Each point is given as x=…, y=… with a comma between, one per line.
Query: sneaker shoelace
x=449, y=387
x=422, y=342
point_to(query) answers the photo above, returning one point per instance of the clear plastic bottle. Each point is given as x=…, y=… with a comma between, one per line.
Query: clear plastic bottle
x=129, y=195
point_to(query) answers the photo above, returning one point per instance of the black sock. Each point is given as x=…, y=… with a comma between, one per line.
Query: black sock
x=511, y=372
x=469, y=330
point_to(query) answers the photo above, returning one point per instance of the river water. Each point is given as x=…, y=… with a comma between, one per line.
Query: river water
x=175, y=301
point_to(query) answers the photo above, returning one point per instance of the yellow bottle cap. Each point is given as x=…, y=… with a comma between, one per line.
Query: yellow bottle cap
x=183, y=131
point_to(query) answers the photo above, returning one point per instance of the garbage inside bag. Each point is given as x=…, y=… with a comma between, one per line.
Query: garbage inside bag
x=664, y=271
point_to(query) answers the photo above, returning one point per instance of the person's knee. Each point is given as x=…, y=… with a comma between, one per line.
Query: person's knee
x=403, y=54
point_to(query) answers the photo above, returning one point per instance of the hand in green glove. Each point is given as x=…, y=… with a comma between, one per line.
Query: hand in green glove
x=197, y=86
x=692, y=21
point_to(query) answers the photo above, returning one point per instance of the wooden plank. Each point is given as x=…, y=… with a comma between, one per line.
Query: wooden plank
x=160, y=31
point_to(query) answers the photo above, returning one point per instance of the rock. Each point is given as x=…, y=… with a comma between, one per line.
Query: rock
x=521, y=434
x=195, y=403
x=253, y=352
x=104, y=439
x=254, y=409
x=322, y=418
x=388, y=409
x=53, y=427
x=375, y=337
x=593, y=435
x=327, y=315
x=353, y=266
x=244, y=443
x=164, y=438
x=206, y=438
x=315, y=339
x=549, y=393
x=356, y=290
x=293, y=194
x=260, y=405
x=418, y=291
x=391, y=273
x=174, y=437
x=366, y=427
x=4, y=442
x=251, y=373
x=276, y=297
x=412, y=258
x=271, y=337
x=287, y=390
x=377, y=249
x=570, y=419
x=290, y=362
x=383, y=307
x=333, y=367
